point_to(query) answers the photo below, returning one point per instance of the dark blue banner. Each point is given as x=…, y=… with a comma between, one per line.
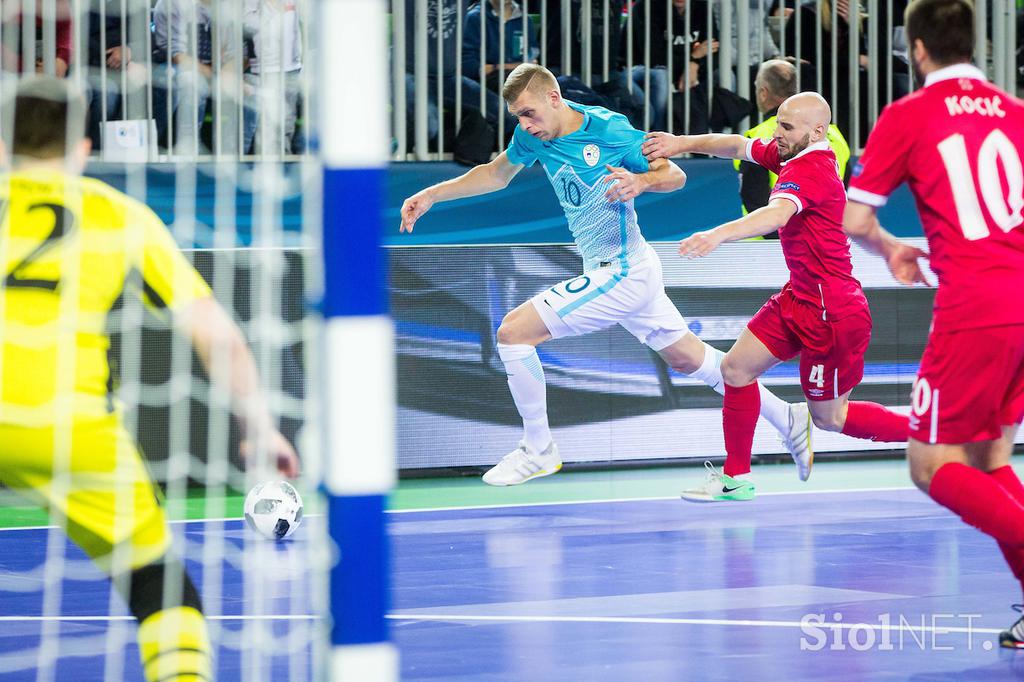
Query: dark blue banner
x=526, y=212
x=164, y=182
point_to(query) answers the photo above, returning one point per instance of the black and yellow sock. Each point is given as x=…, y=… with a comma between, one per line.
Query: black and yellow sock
x=174, y=645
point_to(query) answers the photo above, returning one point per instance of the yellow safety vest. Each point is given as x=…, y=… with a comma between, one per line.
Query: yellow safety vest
x=766, y=129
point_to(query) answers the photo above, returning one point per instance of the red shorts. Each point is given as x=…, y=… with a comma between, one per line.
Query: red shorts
x=831, y=351
x=970, y=384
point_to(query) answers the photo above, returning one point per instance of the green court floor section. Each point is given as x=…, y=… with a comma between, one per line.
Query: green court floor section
x=641, y=483
x=567, y=486
x=15, y=513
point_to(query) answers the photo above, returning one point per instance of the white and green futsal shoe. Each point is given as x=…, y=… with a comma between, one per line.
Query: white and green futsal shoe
x=718, y=487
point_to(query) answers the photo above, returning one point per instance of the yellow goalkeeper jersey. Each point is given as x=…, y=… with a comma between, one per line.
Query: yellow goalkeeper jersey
x=70, y=247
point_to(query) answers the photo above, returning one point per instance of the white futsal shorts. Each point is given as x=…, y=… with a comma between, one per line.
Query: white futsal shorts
x=632, y=295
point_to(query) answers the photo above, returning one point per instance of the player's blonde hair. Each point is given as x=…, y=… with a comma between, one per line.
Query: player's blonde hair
x=532, y=77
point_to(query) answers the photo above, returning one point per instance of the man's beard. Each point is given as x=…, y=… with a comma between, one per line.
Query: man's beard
x=795, y=149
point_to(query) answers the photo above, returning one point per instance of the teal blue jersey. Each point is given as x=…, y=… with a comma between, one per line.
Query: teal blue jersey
x=605, y=231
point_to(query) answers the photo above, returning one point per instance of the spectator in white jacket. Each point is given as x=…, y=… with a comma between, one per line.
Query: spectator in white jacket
x=197, y=54
x=275, y=70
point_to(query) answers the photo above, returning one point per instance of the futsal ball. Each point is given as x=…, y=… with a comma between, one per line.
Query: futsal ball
x=273, y=509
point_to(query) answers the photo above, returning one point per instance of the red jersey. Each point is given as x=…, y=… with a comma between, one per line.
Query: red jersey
x=817, y=250
x=11, y=51
x=957, y=143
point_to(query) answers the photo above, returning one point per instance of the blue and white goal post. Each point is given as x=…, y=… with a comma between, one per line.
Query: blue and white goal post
x=359, y=395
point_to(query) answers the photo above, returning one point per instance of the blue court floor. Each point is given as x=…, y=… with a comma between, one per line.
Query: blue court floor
x=888, y=586
x=856, y=585
x=260, y=618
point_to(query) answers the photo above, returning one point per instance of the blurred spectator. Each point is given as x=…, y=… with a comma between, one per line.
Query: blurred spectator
x=577, y=29
x=894, y=48
x=759, y=36
x=520, y=46
x=698, y=105
x=761, y=45
x=275, y=71
x=833, y=20
x=775, y=82
x=186, y=69
x=12, y=50
x=606, y=51
x=1020, y=48
x=689, y=49
x=112, y=75
x=443, y=75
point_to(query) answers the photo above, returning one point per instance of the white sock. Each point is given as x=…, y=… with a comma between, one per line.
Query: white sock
x=526, y=381
x=710, y=371
x=773, y=408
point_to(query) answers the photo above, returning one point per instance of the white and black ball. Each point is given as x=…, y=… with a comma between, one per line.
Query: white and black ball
x=273, y=509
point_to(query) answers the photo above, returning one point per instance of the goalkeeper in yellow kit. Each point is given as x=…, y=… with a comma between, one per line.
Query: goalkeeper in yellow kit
x=70, y=247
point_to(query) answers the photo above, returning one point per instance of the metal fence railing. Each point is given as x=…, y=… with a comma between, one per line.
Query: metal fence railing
x=178, y=78
x=677, y=65
x=229, y=78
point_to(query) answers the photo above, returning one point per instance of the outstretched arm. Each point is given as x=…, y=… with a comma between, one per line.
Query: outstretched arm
x=861, y=223
x=664, y=145
x=760, y=222
x=488, y=177
x=661, y=176
x=217, y=338
x=664, y=176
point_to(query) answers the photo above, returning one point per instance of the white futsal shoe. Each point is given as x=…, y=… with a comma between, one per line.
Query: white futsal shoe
x=798, y=441
x=524, y=464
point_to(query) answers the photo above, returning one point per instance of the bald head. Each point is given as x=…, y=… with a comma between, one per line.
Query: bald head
x=803, y=120
x=809, y=107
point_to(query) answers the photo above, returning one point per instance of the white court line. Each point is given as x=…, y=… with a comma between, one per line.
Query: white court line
x=175, y=521
x=697, y=621
x=229, y=518
x=470, y=245
x=903, y=627
x=89, y=619
x=537, y=504
x=248, y=248
x=564, y=503
x=641, y=499
x=3, y=530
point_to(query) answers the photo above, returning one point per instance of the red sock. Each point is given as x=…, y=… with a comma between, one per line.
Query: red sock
x=739, y=419
x=1014, y=555
x=871, y=421
x=970, y=493
x=1007, y=478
